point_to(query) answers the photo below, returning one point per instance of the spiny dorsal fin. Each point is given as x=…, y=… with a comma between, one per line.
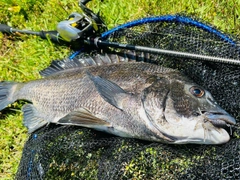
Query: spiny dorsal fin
x=60, y=65
x=84, y=59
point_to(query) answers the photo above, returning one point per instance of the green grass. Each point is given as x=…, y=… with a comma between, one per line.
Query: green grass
x=21, y=57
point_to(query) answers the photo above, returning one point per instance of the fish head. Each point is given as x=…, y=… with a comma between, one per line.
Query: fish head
x=184, y=112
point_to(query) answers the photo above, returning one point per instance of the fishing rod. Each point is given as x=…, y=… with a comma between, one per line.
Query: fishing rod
x=52, y=35
x=88, y=29
x=55, y=37
x=99, y=43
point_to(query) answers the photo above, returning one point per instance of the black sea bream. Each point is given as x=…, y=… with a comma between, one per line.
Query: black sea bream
x=129, y=99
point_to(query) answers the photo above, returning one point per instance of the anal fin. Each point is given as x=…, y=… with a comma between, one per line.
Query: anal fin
x=84, y=118
x=31, y=119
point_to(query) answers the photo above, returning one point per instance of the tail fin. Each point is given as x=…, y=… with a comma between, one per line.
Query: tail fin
x=7, y=93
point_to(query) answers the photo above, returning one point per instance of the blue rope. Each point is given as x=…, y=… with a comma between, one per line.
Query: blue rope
x=170, y=18
x=75, y=54
x=167, y=18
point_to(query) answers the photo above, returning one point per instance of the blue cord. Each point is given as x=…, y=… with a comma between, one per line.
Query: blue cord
x=170, y=18
x=167, y=18
x=75, y=54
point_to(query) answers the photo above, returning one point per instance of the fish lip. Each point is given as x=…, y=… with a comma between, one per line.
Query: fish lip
x=220, y=119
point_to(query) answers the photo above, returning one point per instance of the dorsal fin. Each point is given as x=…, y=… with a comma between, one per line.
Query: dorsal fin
x=83, y=60
x=60, y=65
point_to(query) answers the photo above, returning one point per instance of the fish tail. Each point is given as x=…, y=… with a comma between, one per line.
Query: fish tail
x=7, y=93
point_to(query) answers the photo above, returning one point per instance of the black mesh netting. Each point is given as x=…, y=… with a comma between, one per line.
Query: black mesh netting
x=66, y=152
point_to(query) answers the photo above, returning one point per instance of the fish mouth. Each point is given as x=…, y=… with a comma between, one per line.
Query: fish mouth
x=219, y=119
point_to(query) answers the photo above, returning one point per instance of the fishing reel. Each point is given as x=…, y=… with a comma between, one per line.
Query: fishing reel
x=78, y=27
x=72, y=31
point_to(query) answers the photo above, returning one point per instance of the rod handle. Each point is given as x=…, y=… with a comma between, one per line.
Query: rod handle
x=5, y=28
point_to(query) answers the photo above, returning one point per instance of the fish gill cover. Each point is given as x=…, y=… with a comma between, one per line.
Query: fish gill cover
x=68, y=152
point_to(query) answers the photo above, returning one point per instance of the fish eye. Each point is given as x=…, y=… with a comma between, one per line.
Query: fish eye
x=197, y=91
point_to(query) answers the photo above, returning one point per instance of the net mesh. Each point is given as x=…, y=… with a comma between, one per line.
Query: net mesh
x=67, y=152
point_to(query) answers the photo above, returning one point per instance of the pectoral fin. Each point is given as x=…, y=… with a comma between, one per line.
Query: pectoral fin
x=109, y=91
x=32, y=120
x=84, y=118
